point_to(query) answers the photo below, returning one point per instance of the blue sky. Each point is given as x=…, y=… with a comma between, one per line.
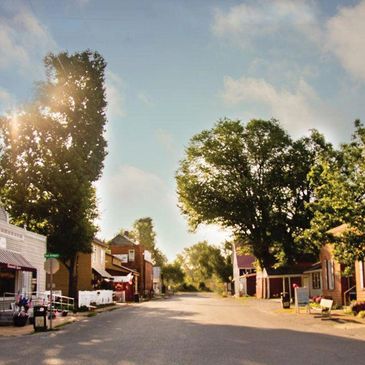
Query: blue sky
x=176, y=67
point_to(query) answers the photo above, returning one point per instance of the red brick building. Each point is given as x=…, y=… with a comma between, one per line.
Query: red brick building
x=335, y=284
x=134, y=256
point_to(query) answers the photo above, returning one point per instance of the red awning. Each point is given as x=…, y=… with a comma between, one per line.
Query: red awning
x=14, y=260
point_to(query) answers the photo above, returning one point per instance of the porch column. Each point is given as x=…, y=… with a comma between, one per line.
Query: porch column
x=289, y=288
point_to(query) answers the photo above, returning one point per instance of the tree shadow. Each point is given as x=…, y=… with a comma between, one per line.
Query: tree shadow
x=145, y=335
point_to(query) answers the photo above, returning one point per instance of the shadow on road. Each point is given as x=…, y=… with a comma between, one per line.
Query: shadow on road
x=143, y=335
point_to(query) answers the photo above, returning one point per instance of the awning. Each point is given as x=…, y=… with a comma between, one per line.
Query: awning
x=103, y=273
x=14, y=260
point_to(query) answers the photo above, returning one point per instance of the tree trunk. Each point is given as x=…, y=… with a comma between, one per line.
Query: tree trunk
x=72, y=279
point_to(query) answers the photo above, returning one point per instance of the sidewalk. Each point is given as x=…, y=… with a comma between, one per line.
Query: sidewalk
x=59, y=321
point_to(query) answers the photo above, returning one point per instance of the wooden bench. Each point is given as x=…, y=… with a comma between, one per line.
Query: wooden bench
x=325, y=307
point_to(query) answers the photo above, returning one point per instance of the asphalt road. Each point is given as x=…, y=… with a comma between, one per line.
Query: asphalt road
x=193, y=329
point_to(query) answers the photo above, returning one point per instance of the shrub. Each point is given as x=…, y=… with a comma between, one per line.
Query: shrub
x=83, y=308
x=361, y=314
x=358, y=307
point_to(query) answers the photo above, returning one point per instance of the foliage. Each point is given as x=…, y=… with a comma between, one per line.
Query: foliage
x=144, y=232
x=173, y=274
x=338, y=180
x=252, y=179
x=53, y=150
x=357, y=307
x=204, y=265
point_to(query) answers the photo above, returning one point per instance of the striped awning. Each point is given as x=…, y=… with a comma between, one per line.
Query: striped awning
x=14, y=260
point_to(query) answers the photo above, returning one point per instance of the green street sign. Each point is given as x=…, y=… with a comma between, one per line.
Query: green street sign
x=51, y=255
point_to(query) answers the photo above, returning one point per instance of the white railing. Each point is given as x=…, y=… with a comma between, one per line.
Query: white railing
x=59, y=302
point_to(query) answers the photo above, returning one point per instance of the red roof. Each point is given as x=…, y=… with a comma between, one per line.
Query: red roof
x=245, y=261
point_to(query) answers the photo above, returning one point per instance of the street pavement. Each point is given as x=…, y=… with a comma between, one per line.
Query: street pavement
x=194, y=329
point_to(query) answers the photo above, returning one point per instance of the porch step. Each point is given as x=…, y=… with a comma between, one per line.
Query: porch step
x=6, y=318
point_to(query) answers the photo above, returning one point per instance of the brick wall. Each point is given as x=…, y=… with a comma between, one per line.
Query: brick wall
x=137, y=264
x=326, y=254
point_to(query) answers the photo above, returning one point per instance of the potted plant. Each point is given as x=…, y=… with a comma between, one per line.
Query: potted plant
x=20, y=318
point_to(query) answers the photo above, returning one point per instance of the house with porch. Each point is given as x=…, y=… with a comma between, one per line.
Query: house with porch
x=244, y=277
x=270, y=283
x=91, y=273
x=134, y=256
x=124, y=278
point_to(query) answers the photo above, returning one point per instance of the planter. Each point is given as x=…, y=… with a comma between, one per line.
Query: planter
x=20, y=321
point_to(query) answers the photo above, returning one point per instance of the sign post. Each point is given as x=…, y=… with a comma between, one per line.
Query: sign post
x=51, y=266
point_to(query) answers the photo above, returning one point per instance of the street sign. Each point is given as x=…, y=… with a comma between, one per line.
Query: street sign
x=49, y=255
x=51, y=266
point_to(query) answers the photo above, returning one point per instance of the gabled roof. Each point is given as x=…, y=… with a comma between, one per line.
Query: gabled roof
x=122, y=240
x=99, y=242
x=246, y=261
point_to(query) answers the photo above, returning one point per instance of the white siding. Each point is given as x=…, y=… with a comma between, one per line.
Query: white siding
x=32, y=246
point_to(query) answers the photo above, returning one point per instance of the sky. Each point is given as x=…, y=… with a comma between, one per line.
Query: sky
x=175, y=67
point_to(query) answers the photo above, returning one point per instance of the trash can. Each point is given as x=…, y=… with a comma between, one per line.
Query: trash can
x=40, y=317
x=285, y=300
x=136, y=298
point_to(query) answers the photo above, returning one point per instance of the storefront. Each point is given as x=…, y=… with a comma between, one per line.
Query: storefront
x=15, y=272
x=21, y=258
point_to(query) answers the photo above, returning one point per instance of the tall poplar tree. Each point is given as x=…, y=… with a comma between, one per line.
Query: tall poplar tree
x=52, y=151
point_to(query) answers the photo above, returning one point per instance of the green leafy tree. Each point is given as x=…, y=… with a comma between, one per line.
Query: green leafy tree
x=143, y=231
x=252, y=179
x=338, y=180
x=53, y=151
x=173, y=274
x=203, y=263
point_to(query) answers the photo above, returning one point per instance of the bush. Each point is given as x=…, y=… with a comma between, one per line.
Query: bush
x=357, y=307
x=83, y=308
x=361, y=314
x=187, y=288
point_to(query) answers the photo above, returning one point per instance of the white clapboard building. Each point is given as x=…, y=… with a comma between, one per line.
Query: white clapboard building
x=21, y=258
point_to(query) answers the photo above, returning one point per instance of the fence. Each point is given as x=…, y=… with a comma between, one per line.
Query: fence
x=96, y=297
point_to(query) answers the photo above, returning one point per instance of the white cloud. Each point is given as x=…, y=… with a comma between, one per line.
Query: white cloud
x=115, y=97
x=145, y=99
x=244, y=22
x=297, y=110
x=131, y=183
x=341, y=35
x=345, y=36
x=23, y=40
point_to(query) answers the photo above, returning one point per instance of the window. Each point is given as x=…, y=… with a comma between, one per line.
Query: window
x=316, y=280
x=362, y=274
x=131, y=255
x=330, y=275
